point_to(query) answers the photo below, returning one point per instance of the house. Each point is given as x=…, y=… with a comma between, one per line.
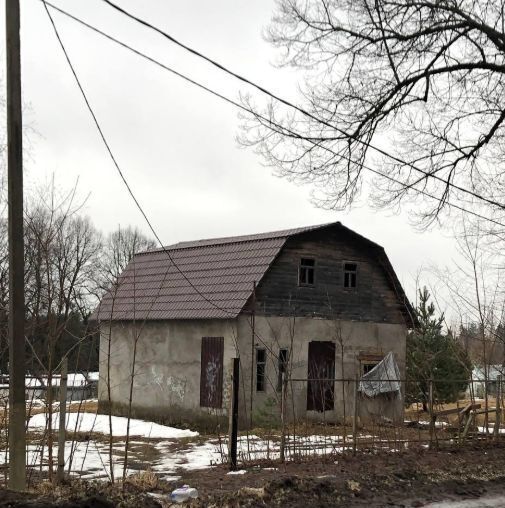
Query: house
x=485, y=378
x=321, y=304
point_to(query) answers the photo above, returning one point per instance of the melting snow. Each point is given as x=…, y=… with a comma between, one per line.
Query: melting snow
x=89, y=422
x=91, y=458
x=490, y=428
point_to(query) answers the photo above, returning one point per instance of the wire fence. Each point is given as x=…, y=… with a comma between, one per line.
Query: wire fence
x=303, y=419
x=325, y=417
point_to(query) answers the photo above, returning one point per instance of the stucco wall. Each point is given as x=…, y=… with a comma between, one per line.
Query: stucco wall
x=167, y=379
x=167, y=368
x=351, y=338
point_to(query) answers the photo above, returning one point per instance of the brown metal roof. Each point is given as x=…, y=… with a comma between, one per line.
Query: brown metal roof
x=204, y=279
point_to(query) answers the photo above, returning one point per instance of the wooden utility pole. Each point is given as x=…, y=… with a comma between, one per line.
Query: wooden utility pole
x=17, y=408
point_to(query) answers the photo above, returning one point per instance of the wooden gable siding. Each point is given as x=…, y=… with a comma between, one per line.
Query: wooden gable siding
x=374, y=298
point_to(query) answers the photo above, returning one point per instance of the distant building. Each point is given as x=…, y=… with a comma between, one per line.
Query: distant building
x=80, y=386
x=493, y=374
x=321, y=302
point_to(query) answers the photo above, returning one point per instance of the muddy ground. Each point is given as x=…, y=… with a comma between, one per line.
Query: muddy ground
x=409, y=479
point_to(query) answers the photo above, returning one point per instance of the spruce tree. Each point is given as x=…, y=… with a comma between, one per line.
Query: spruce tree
x=433, y=354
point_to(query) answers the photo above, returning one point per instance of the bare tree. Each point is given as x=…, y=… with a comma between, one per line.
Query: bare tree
x=475, y=294
x=422, y=80
x=61, y=251
x=119, y=248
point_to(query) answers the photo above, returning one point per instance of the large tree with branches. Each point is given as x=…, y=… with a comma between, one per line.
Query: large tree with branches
x=421, y=80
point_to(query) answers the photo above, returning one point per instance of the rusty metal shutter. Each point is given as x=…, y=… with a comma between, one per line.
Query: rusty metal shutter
x=211, y=374
x=321, y=374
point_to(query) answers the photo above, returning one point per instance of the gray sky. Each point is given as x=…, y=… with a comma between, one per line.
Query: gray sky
x=175, y=143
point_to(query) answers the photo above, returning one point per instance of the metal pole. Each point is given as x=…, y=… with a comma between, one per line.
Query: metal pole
x=17, y=408
x=355, y=416
x=430, y=409
x=253, y=338
x=282, y=448
x=497, y=421
x=234, y=414
x=63, y=413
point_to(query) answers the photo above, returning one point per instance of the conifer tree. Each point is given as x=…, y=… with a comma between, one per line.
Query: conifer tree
x=433, y=354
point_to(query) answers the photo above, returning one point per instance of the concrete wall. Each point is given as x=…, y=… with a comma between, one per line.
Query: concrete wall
x=352, y=338
x=167, y=379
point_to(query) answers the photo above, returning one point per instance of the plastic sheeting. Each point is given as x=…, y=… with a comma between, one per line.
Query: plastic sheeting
x=383, y=378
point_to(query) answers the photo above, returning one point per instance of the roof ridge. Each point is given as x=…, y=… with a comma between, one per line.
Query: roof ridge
x=227, y=240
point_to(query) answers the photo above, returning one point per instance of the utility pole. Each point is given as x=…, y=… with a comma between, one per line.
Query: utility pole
x=17, y=407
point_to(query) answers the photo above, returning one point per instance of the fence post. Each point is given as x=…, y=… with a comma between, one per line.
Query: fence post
x=355, y=416
x=233, y=432
x=283, y=418
x=497, y=420
x=63, y=412
x=430, y=409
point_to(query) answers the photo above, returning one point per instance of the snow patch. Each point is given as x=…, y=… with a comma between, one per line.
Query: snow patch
x=89, y=422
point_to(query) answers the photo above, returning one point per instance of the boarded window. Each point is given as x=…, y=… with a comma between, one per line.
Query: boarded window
x=350, y=275
x=282, y=367
x=261, y=363
x=306, y=272
x=211, y=375
x=321, y=374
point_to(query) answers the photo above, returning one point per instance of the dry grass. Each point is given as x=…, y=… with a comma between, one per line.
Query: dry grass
x=414, y=412
x=144, y=480
x=87, y=406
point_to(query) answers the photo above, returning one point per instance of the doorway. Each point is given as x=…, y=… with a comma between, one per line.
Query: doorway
x=321, y=374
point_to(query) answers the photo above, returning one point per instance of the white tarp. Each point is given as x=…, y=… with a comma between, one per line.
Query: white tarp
x=383, y=378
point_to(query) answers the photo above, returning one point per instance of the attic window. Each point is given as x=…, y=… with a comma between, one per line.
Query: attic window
x=306, y=272
x=350, y=273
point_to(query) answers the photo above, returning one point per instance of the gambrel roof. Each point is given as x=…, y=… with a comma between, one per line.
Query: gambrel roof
x=204, y=279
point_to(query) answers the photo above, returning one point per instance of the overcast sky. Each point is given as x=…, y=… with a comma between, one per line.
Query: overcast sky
x=176, y=143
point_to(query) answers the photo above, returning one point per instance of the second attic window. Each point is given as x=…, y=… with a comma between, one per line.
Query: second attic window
x=306, y=272
x=350, y=272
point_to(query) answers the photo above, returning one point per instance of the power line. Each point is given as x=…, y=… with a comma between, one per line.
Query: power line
x=288, y=103
x=172, y=261
x=118, y=168
x=243, y=108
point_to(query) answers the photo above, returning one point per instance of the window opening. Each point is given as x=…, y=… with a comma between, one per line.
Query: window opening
x=261, y=361
x=350, y=272
x=366, y=367
x=306, y=272
x=282, y=367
